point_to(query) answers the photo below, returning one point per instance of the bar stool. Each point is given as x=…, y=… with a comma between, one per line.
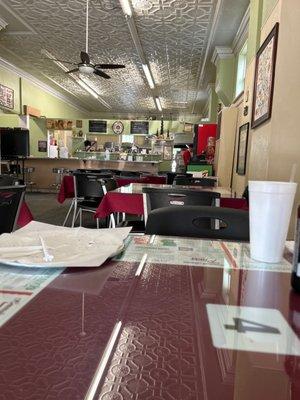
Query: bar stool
x=27, y=173
x=59, y=173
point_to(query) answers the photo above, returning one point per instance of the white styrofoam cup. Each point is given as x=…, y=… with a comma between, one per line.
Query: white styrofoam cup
x=271, y=206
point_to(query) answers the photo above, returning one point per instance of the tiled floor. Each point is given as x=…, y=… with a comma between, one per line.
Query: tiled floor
x=45, y=208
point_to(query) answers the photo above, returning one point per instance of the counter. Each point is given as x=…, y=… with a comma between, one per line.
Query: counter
x=45, y=179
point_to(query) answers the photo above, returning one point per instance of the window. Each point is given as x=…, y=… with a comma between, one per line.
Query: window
x=241, y=70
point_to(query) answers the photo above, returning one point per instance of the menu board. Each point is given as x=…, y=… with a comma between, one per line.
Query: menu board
x=139, y=127
x=97, y=126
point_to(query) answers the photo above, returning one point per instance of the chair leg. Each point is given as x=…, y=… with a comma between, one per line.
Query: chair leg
x=112, y=221
x=80, y=217
x=68, y=213
x=97, y=222
x=74, y=213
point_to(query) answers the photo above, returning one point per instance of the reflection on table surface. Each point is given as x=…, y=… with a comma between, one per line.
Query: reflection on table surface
x=138, y=188
x=209, y=326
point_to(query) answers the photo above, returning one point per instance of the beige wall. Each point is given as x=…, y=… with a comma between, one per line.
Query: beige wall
x=274, y=145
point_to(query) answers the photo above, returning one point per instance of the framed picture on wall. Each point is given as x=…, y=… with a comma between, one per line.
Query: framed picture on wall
x=6, y=97
x=264, y=79
x=242, y=149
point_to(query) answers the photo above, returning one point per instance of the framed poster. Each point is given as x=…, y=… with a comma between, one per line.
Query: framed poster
x=139, y=127
x=79, y=123
x=6, y=97
x=264, y=79
x=59, y=124
x=242, y=149
x=42, y=146
x=97, y=126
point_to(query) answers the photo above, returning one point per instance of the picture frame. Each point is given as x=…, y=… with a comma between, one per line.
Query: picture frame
x=264, y=79
x=7, y=97
x=241, y=160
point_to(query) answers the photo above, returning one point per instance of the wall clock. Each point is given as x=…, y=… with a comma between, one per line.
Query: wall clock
x=118, y=127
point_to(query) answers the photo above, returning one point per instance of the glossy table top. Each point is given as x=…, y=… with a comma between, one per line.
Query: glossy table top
x=137, y=188
x=145, y=326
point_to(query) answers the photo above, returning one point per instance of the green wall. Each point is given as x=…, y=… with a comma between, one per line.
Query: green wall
x=268, y=6
x=38, y=131
x=255, y=23
x=225, y=79
x=49, y=105
x=26, y=93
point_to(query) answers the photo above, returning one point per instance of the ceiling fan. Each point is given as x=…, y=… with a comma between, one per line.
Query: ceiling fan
x=85, y=66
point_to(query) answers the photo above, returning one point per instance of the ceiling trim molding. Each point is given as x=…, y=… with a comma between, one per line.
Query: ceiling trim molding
x=242, y=32
x=215, y=21
x=221, y=53
x=25, y=75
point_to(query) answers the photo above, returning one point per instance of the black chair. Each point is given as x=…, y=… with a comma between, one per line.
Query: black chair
x=89, y=190
x=103, y=173
x=157, y=198
x=7, y=180
x=199, y=221
x=171, y=176
x=11, y=198
x=130, y=174
x=187, y=181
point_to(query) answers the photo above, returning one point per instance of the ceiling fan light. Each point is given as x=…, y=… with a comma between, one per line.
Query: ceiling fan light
x=86, y=69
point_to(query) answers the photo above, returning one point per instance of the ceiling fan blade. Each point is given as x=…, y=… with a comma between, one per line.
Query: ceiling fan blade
x=109, y=66
x=85, y=58
x=72, y=70
x=101, y=73
x=62, y=61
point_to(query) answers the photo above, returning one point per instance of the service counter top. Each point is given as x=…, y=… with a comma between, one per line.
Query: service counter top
x=45, y=179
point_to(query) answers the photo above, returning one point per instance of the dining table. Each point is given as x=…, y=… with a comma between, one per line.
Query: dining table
x=167, y=318
x=129, y=199
x=66, y=190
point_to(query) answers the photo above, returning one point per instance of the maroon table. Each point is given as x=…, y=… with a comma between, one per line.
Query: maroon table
x=129, y=199
x=155, y=323
x=25, y=215
x=67, y=187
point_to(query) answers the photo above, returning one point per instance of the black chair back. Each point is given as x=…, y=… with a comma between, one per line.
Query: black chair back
x=109, y=184
x=199, y=221
x=187, y=181
x=88, y=185
x=130, y=174
x=157, y=198
x=104, y=173
x=11, y=198
x=6, y=180
x=172, y=175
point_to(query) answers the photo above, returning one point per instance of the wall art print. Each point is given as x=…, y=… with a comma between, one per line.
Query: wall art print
x=6, y=97
x=264, y=79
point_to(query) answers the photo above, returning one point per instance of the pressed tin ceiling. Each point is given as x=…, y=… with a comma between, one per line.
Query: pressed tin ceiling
x=174, y=35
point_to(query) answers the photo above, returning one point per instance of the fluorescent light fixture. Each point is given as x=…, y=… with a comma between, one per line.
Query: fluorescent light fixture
x=158, y=103
x=87, y=88
x=126, y=7
x=148, y=76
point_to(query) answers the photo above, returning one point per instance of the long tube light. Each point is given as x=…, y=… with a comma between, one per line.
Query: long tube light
x=126, y=7
x=158, y=103
x=148, y=76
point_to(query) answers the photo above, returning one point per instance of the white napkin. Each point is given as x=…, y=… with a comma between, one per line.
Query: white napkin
x=70, y=247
